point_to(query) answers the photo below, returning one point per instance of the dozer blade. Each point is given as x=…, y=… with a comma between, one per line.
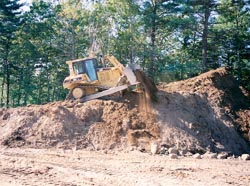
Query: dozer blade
x=104, y=93
x=130, y=75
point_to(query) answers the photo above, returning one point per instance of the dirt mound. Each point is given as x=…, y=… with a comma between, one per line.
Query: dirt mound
x=205, y=113
x=95, y=124
x=208, y=112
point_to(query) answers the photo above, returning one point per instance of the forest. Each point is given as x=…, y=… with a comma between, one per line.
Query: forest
x=169, y=39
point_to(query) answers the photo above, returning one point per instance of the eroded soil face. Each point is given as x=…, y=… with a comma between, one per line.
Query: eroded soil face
x=207, y=111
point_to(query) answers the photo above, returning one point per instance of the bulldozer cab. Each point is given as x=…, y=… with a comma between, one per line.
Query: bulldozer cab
x=87, y=66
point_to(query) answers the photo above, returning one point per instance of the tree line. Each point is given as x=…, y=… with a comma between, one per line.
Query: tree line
x=170, y=40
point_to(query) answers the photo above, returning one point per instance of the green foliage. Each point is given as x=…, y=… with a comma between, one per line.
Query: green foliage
x=233, y=33
x=166, y=38
x=9, y=23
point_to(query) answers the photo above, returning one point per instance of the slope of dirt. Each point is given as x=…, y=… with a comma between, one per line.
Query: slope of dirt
x=95, y=124
x=205, y=113
x=208, y=112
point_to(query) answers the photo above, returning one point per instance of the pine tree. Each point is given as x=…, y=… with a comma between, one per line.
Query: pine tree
x=9, y=23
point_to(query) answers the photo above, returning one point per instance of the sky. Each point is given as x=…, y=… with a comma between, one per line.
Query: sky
x=26, y=4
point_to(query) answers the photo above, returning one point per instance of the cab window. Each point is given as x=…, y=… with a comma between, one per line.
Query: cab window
x=79, y=67
x=90, y=66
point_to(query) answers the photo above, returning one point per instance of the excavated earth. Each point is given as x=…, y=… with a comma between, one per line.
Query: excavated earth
x=199, y=127
x=205, y=113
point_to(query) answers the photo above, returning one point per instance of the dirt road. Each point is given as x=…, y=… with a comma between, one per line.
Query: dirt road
x=75, y=168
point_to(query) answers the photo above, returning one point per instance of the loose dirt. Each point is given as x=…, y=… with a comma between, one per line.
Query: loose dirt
x=95, y=124
x=209, y=113
x=36, y=167
x=205, y=113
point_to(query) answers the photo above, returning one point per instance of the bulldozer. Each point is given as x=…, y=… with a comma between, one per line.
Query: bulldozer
x=91, y=78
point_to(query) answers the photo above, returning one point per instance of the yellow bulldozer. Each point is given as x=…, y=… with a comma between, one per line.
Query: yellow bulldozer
x=90, y=78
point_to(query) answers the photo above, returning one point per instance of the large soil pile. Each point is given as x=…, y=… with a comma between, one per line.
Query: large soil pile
x=208, y=112
x=95, y=124
x=205, y=113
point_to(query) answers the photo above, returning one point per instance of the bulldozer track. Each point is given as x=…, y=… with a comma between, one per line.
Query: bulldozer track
x=69, y=95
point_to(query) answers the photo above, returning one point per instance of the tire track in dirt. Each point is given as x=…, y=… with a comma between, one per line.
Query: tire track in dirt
x=41, y=167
